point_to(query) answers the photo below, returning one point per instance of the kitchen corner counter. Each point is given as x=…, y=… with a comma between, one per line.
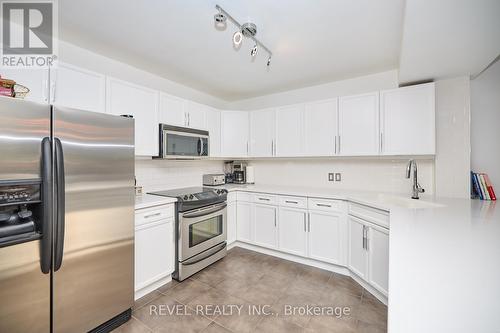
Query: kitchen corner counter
x=444, y=256
x=149, y=200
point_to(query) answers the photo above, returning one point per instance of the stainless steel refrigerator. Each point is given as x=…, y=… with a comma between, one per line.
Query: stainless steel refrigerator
x=66, y=219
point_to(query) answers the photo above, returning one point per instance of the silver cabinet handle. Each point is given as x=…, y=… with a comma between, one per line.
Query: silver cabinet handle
x=339, y=144
x=185, y=119
x=335, y=144
x=265, y=199
x=323, y=205
x=308, y=222
x=189, y=119
x=305, y=229
x=289, y=201
x=272, y=147
x=364, y=239
x=151, y=215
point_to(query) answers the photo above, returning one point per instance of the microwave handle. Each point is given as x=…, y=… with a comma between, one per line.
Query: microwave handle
x=200, y=146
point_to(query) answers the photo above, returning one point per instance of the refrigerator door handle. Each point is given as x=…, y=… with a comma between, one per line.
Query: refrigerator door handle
x=47, y=207
x=60, y=204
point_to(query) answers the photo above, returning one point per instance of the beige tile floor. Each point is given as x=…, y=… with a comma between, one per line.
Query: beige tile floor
x=248, y=280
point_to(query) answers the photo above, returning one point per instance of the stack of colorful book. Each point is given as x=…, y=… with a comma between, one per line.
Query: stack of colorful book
x=481, y=186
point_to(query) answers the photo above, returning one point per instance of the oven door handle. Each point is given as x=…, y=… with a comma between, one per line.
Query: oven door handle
x=204, y=255
x=204, y=212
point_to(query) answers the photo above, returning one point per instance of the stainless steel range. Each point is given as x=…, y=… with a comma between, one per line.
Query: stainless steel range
x=201, y=232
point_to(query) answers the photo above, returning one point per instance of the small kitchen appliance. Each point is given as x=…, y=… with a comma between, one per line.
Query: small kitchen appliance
x=214, y=179
x=239, y=172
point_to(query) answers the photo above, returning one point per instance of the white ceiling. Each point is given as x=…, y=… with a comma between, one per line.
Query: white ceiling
x=447, y=38
x=313, y=41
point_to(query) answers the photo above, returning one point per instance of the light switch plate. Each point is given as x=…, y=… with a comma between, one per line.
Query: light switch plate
x=338, y=177
x=331, y=177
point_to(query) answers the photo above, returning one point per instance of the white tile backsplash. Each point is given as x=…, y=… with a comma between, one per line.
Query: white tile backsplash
x=384, y=175
x=155, y=175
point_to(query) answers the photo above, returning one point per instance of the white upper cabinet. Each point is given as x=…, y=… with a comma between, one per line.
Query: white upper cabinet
x=408, y=120
x=213, y=126
x=172, y=110
x=235, y=133
x=196, y=114
x=262, y=125
x=359, y=125
x=289, y=130
x=36, y=80
x=320, y=128
x=124, y=98
x=77, y=88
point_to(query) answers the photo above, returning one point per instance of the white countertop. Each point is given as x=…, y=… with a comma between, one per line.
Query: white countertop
x=444, y=258
x=149, y=200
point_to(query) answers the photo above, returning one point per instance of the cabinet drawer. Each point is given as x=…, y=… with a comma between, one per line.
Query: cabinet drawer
x=370, y=214
x=267, y=199
x=298, y=202
x=328, y=205
x=147, y=215
x=244, y=196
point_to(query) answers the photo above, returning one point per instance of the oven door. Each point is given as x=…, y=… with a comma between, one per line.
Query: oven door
x=201, y=229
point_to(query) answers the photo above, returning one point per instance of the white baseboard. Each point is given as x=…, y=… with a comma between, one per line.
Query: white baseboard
x=311, y=262
x=151, y=287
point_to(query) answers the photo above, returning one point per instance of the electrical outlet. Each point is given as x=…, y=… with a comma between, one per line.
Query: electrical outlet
x=338, y=177
x=331, y=177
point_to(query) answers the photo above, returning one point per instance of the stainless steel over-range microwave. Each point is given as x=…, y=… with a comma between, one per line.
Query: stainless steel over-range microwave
x=181, y=142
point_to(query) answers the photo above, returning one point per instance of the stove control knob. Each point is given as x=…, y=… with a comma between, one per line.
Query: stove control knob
x=185, y=197
x=191, y=197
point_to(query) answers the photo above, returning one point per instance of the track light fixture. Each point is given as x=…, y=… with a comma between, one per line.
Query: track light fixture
x=248, y=30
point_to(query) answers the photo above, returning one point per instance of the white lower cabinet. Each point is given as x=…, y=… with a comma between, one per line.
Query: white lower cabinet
x=358, y=256
x=231, y=218
x=265, y=225
x=369, y=253
x=293, y=230
x=154, y=248
x=244, y=225
x=327, y=237
x=378, y=249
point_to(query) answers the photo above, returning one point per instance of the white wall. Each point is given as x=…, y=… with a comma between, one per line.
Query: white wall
x=358, y=85
x=74, y=55
x=381, y=175
x=485, y=124
x=156, y=175
x=453, y=137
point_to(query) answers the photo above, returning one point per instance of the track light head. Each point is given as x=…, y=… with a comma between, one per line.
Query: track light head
x=268, y=61
x=237, y=38
x=220, y=18
x=253, y=52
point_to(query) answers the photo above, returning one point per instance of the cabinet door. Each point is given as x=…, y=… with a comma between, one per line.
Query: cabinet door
x=244, y=224
x=36, y=80
x=77, y=88
x=358, y=256
x=265, y=224
x=196, y=114
x=213, y=127
x=234, y=133
x=231, y=222
x=262, y=133
x=359, y=125
x=142, y=103
x=289, y=130
x=154, y=252
x=378, y=251
x=172, y=110
x=293, y=231
x=320, y=128
x=326, y=237
x=408, y=120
